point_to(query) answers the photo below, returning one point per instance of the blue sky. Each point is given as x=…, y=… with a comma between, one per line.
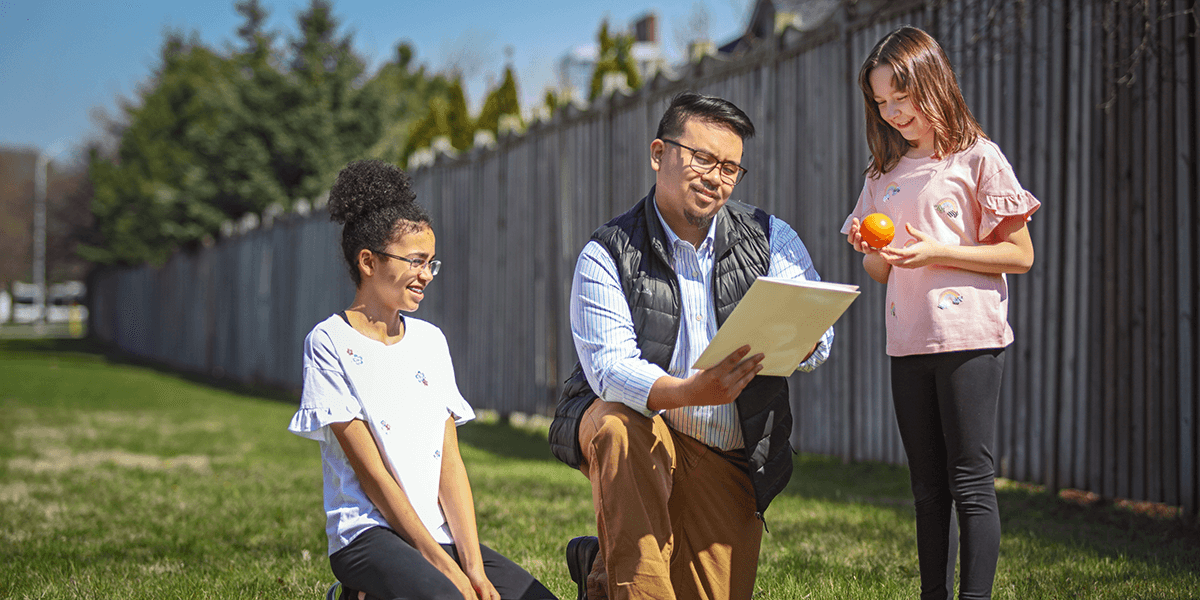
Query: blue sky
x=62, y=61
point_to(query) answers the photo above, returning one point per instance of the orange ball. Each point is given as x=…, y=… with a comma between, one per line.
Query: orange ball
x=877, y=230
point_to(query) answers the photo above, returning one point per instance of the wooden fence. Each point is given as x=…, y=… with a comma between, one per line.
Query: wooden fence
x=1094, y=104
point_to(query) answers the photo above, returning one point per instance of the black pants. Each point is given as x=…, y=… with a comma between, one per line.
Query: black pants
x=946, y=409
x=380, y=563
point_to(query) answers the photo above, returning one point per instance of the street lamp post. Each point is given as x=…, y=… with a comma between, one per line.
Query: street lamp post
x=39, y=226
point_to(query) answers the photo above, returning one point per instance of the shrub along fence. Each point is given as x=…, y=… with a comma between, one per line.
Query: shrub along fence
x=1094, y=104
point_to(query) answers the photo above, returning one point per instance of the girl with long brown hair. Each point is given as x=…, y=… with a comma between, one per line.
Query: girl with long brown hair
x=961, y=217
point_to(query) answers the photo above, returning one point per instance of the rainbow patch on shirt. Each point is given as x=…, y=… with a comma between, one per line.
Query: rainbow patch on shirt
x=891, y=190
x=948, y=298
x=947, y=207
x=892, y=309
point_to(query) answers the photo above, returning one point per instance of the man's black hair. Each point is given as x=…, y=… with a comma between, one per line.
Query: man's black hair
x=709, y=109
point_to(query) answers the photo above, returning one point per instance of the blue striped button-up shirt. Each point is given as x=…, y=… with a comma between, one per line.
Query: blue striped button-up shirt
x=607, y=343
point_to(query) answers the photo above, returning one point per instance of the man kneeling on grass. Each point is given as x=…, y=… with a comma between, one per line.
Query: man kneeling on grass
x=682, y=462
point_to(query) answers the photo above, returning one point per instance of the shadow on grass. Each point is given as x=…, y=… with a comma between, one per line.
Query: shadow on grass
x=1102, y=527
x=54, y=346
x=507, y=441
x=829, y=478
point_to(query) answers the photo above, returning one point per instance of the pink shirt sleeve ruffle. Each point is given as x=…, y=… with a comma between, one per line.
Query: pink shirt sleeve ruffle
x=1001, y=197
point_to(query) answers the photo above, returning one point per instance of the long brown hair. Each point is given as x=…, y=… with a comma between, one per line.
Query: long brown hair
x=922, y=70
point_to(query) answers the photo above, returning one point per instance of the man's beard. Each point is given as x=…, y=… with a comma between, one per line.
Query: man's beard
x=701, y=222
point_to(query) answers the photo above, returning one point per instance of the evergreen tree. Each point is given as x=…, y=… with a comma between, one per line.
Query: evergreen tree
x=615, y=56
x=214, y=136
x=458, y=118
x=433, y=124
x=627, y=62
x=551, y=100
x=258, y=42
x=503, y=100
x=154, y=197
x=447, y=116
x=328, y=121
x=242, y=161
x=406, y=94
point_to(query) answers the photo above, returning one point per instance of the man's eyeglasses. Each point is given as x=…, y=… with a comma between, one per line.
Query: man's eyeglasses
x=416, y=264
x=703, y=163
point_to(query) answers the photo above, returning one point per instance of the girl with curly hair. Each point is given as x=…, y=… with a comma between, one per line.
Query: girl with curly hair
x=380, y=396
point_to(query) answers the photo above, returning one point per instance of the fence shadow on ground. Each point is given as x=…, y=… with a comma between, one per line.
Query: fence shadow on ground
x=497, y=438
x=1153, y=534
x=1138, y=532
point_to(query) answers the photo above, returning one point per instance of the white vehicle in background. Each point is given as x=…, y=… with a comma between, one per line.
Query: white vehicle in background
x=64, y=303
x=24, y=308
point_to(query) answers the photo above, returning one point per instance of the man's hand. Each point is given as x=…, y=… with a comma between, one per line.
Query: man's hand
x=720, y=384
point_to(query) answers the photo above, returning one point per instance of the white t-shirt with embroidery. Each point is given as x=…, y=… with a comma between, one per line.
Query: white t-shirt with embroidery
x=959, y=200
x=404, y=392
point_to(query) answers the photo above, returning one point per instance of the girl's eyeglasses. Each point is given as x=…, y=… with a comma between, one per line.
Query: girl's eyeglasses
x=416, y=264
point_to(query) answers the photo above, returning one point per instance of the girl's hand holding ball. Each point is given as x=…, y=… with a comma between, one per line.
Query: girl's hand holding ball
x=872, y=234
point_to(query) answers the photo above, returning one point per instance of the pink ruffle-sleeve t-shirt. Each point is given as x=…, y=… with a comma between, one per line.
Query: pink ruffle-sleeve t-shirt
x=958, y=200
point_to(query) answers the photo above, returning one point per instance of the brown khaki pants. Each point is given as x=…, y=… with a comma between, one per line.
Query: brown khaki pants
x=675, y=517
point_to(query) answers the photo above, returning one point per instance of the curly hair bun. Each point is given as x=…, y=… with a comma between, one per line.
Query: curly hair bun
x=375, y=203
x=365, y=187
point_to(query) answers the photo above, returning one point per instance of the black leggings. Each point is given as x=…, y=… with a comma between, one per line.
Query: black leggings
x=380, y=563
x=946, y=410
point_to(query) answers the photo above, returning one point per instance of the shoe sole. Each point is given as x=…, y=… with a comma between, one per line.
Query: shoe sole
x=576, y=552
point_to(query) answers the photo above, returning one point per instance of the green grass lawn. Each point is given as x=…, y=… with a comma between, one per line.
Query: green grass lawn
x=122, y=481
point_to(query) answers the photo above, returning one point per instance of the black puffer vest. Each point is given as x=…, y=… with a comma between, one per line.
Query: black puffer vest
x=742, y=253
